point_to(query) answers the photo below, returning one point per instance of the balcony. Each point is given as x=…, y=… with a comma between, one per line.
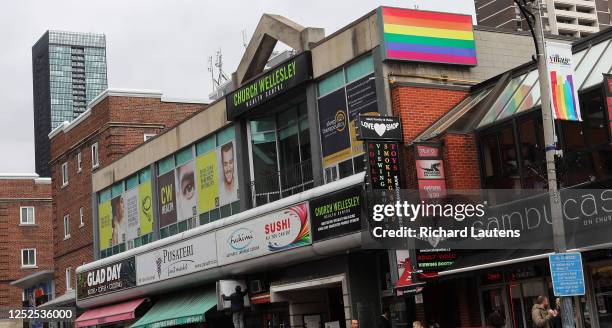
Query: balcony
x=576, y=15
x=576, y=27
x=580, y=3
x=276, y=185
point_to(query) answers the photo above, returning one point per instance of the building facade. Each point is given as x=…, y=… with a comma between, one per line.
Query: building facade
x=26, y=247
x=116, y=122
x=68, y=71
x=264, y=188
x=567, y=18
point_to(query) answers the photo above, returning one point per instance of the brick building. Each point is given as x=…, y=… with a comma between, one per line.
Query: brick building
x=116, y=122
x=26, y=244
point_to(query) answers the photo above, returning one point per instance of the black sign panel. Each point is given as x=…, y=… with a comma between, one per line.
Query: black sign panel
x=361, y=97
x=273, y=83
x=107, y=279
x=333, y=125
x=434, y=260
x=337, y=214
x=384, y=165
x=379, y=128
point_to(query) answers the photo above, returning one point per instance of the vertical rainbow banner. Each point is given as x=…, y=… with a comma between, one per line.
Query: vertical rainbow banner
x=426, y=36
x=563, y=93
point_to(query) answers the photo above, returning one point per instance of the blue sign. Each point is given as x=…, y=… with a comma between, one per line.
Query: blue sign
x=567, y=275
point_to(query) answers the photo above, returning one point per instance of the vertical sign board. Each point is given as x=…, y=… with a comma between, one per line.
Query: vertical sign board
x=563, y=88
x=607, y=85
x=567, y=274
x=430, y=170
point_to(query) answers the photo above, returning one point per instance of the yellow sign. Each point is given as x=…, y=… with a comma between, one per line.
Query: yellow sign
x=207, y=184
x=146, y=208
x=105, y=226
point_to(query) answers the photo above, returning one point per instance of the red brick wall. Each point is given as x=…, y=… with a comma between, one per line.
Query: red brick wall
x=421, y=106
x=16, y=193
x=118, y=125
x=461, y=161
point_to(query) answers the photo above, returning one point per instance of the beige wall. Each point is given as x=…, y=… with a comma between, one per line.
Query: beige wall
x=184, y=134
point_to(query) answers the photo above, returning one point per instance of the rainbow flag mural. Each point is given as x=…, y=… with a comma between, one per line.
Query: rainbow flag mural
x=427, y=36
x=563, y=93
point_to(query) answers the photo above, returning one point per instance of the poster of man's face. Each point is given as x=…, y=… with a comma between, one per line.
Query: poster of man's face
x=228, y=186
x=186, y=191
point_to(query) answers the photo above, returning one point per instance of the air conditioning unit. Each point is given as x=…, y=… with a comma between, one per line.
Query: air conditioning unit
x=255, y=286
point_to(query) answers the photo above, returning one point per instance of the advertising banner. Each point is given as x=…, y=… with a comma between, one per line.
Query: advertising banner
x=192, y=255
x=430, y=170
x=383, y=165
x=274, y=232
x=119, y=222
x=333, y=124
x=146, y=208
x=360, y=99
x=273, y=83
x=435, y=260
x=208, y=191
x=167, y=199
x=105, y=227
x=380, y=128
x=337, y=214
x=563, y=91
x=106, y=279
x=607, y=85
x=228, y=183
x=186, y=198
x=131, y=213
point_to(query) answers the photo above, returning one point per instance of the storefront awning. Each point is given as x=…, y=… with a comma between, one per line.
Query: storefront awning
x=107, y=314
x=179, y=309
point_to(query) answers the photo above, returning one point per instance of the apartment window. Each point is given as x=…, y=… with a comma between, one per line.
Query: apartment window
x=68, y=278
x=81, y=216
x=148, y=136
x=66, y=226
x=79, y=162
x=65, y=174
x=94, y=156
x=27, y=215
x=28, y=257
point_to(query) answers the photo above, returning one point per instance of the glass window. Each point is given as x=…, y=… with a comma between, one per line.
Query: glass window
x=105, y=195
x=64, y=174
x=165, y=165
x=205, y=146
x=28, y=257
x=226, y=135
x=359, y=69
x=331, y=83
x=117, y=189
x=183, y=156
x=533, y=159
x=144, y=175
x=66, y=226
x=27, y=215
x=345, y=168
x=132, y=182
x=81, y=216
x=94, y=156
x=68, y=278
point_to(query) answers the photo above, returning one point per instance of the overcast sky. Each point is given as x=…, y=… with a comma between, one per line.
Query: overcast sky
x=151, y=44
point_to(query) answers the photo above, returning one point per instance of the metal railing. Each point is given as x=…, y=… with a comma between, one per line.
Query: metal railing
x=281, y=184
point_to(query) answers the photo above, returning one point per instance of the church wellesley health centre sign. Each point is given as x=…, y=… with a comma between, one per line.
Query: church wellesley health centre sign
x=269, y=85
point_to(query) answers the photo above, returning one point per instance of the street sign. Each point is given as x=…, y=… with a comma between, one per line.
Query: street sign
x=567, y=274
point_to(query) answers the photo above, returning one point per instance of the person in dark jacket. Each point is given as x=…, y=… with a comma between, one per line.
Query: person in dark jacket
x=237, y=306
x=384, y=321
x=496, y=319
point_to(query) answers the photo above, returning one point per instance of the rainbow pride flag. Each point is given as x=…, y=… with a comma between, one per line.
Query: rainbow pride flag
x=427, y=36
x=563, y=101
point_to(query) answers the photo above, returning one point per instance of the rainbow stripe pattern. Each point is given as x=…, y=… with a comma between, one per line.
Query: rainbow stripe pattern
x=426, y=36
x=563, y=100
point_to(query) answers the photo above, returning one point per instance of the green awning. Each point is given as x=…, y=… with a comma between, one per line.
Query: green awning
x=179, y=309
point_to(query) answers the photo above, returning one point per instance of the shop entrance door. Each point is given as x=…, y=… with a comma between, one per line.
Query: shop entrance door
x=495, y=307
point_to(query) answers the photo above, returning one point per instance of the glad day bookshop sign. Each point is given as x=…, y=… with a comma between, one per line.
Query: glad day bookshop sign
x=106, y=279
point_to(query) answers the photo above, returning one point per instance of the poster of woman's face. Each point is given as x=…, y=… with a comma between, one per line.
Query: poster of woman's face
x=228, y=186
x=118, y=223
x=186, y=191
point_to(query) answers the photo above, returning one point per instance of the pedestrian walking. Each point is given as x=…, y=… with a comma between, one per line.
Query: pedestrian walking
x=237, y=306
x=541, y=313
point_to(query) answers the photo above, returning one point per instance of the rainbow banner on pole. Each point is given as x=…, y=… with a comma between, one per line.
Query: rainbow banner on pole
x=427, y=36
x=563, y=93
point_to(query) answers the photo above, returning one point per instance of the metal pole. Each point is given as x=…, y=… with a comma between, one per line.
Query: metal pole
x=567, y=310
